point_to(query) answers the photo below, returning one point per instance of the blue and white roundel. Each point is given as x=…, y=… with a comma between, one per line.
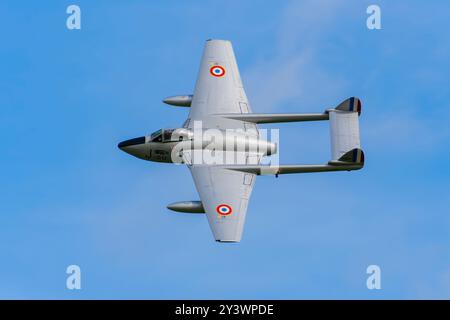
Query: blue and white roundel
x=217, y=71
x=224, y=209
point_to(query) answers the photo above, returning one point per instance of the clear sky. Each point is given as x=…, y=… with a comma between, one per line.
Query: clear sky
x=68, y=195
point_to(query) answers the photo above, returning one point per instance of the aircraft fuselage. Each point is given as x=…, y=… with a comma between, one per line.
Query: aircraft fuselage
x=168, y=147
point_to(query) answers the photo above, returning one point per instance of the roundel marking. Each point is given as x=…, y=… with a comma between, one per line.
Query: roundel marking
x=217, y=71
x=224, y=209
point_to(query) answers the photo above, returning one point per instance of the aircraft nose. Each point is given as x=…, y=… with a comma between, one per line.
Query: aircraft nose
x=131, y=142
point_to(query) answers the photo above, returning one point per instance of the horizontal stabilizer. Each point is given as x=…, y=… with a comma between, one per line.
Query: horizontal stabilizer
x=344, y=127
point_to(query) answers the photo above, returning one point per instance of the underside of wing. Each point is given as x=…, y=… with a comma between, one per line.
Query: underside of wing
x=218, y=89
x=225, y=195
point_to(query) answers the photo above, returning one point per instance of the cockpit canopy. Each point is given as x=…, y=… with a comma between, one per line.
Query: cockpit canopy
x=170, y=135
x=156, y=136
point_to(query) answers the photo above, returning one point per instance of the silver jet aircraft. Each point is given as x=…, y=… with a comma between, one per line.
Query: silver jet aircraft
x=223, y=147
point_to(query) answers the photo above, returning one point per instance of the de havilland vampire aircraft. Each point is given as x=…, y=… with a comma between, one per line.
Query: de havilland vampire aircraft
x=219, y=104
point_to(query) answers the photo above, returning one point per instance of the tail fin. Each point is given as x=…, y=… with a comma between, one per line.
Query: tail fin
x=354, y=157
x=344, y=128
x=352, y=104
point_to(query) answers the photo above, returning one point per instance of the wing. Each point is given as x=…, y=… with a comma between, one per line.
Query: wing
x=224, y=194
x=218, y=89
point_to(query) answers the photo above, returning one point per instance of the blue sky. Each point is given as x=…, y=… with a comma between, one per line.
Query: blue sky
x=69, y=196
